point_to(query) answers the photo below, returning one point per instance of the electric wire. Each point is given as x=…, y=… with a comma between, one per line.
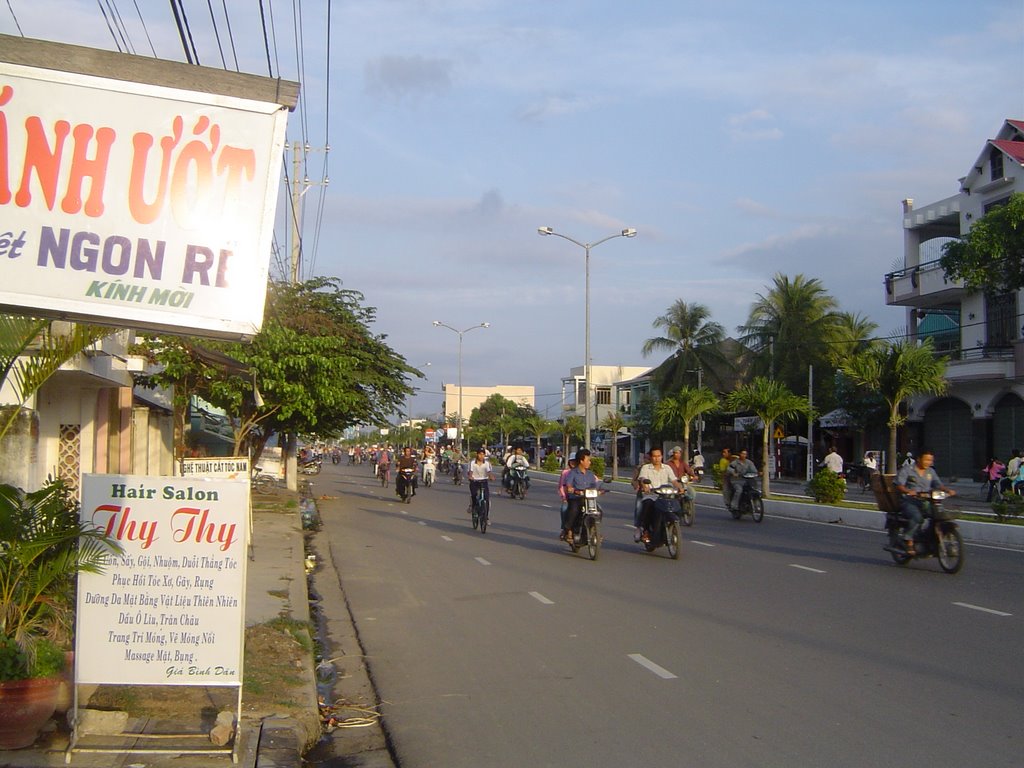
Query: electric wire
x=9, y=8
x=216, y=34
x=266, y=40
x=188, y=29
x=300, y=66
x=144, y=28
x=181, y=33
x=115, y=13
x=325, y=178
x=110, y=28
x=273, y=36
x=231, y=37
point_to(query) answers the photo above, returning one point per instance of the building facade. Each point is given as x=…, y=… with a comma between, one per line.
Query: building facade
x=982, y=413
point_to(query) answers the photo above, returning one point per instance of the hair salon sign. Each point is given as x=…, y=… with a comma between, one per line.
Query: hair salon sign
x=136, y=204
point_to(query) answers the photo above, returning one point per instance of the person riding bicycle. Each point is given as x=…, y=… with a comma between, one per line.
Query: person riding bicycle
x=515, y=460
x=913, y=482
x=405, y=461
x=738, y=467
x=651, y=476
x=578, y=480
x=479, y=472
x=383, y=463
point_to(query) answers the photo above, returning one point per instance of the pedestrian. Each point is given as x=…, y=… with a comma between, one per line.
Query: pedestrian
x=993, y=473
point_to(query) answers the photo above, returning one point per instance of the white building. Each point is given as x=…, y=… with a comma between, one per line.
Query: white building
x=982, y=414
x=605, y=383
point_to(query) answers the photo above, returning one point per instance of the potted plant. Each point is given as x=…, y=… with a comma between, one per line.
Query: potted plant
x=43, y=545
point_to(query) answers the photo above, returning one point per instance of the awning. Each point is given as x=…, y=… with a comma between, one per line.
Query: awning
x=836, y=419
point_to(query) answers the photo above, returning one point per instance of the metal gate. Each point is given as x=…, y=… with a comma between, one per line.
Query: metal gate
x=1007, y=427
x=947, y=432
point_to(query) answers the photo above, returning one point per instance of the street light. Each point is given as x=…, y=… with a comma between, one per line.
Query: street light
x=700, y=421
x=439, y=324
x=586, y=352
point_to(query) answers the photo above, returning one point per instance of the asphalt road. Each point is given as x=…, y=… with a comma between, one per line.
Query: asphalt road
x=781, y=644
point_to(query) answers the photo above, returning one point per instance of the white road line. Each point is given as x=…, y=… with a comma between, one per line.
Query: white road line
x=983, y=610
x=702, y=543
x=422, y=522
x=405, y=512
x=448, y=538
x=481, y=561
x=805, y=568
x=643, y=661
x=541, y=599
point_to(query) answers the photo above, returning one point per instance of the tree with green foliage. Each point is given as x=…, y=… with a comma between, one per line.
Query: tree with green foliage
x=772, y=401
x=537, y=426
x=318, y=367
x=614, y=423
x=990, y=257
x=853, y=334
x=897, y=371
x=693, y=340
x=572, y=428
x=500, y=417
x=32, y=349
x=677, y=411
x=791, y=327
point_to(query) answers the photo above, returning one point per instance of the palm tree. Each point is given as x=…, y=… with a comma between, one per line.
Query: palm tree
x=694, y=342
x=792, y=327
x=573, y=427
x=613, y=423
x=538, y=426
x=853, y=335
x=678, y=411
x=32, y=350
x=772, y=401
x=897, y=371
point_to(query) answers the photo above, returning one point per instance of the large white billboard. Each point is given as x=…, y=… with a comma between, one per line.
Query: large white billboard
x=135, y=204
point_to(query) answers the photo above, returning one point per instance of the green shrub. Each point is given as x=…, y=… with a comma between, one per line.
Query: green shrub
x=597, y=465
x=826, y=487
x=550, y=463
x=1007, y=506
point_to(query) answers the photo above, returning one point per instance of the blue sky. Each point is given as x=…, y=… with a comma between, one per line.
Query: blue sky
x=741, y=139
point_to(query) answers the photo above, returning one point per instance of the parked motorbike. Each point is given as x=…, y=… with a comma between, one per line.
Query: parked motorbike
x=750, y=502
x=586, y=531
x=939, y=535
x=518, y=482
x=662, y=523
x=311, y=467
x=404, y=484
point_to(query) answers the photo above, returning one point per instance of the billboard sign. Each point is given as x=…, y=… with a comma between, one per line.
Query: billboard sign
x=136, y=204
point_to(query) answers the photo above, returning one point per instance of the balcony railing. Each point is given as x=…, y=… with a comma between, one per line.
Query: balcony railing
x=975, y=354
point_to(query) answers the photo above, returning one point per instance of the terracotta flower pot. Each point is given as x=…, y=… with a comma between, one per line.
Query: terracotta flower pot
x=25, y=706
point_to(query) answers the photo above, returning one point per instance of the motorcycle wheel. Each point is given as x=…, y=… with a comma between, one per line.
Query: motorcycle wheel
x=672, y=539
x=687, y=509
x=757, y=510
x=736, y=513
x=593, y=539
x=950, y=550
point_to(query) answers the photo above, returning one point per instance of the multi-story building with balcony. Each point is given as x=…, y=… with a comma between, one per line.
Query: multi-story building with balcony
x=982, y=413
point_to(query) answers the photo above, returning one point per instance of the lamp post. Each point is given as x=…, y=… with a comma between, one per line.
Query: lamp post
x=439, y=324
x=700, y=419
x=586, y=350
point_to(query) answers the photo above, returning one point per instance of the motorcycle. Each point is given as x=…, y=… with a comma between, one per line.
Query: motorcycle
x=335, y=456
x=518, y=482
x=457, y=473
x=750, y=502
x=938, y=536
x=687, y=505
x=311, y=467
x=404, y=484
x=586, y=531
x=428, y=472
x=662, y=523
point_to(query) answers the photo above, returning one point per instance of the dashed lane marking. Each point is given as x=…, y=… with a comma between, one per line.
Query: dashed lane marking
x=982, y=609
x=422, y=522
x=805, y=568
x=448, y=538
x=702, y=543
x=481, y=561
x=646, y=663
x=541, y=599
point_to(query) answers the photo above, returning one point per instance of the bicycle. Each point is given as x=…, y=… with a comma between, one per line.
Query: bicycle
x=261, y=482
x=480, y=508
x=384, y=473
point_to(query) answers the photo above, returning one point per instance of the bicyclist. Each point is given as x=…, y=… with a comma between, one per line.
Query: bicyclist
x=383, y=463
x=579, y=479
x=479, y=472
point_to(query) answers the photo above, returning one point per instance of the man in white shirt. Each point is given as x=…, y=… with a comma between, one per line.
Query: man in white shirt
x=651, y=476
x=833, y=461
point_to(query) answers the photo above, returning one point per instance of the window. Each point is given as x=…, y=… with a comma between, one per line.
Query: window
x=1000, y=313
x=995, y=161
x=603, y=395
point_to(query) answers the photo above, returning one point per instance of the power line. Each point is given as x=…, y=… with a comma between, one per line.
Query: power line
x=110, y=28
x=119, y=23
x=181, y=34
x=144, y=29
x=9, y=8
x=266, y=40
x=216, y=34
x=231, y=37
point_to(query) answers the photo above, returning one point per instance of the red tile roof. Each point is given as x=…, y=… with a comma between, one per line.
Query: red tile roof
x=1014, y=149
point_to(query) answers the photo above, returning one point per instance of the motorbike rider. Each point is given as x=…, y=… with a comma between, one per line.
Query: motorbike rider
x=428, y=463
x=651, y=476
x=514, y=460
x=479, y=472
x=738, y=467
x=912, y=482
x=698, y=464
x=723, y=471
x=683, y=469
x=578, y=480
x=405, y=461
